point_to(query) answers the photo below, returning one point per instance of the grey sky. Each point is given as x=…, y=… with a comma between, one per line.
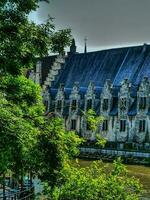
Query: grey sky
x=106, y=23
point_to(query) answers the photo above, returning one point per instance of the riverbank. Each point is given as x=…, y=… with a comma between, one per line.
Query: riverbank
x=108, y=155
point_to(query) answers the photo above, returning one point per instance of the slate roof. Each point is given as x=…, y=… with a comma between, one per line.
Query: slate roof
x=133, y=108
x=114, y=64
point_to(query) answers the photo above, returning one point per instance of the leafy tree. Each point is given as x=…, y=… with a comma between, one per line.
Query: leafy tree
x=18, y=133
x=21, y=108
x=56, y=146
x=97, y=182
x=60, y=40
x=93, y=120
x=22, y=41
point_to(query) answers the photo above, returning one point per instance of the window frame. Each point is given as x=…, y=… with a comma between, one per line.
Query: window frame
x=123, y=125
x=105, y=125
x=89, y=105
x=74, y=104
x=59, y=105
x=73, y=124
x=142, y=125
x=105, y=104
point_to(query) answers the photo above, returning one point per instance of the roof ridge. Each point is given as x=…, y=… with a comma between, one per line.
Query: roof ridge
x=114, y=48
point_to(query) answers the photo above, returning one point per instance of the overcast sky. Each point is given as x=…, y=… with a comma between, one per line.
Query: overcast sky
x=106, y=23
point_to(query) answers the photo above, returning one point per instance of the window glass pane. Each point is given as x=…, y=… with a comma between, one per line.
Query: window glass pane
x=59, y=104
x=142, y=126
x=105, y=104
x=73, y=124
x=122, y=125
x=74, y=104
x=89, y=104
x=105, y=125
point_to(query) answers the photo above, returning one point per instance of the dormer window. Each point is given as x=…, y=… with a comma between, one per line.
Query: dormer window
x=89, y=104
x=142, y=126
x=74, y=104
x=105, y=104
x=142, y=103
x=122, y=125
x=123, y=104
x=59, y=105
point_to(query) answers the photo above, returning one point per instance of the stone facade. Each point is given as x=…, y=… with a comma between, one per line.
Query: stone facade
x=125, y=107
x=122, y=127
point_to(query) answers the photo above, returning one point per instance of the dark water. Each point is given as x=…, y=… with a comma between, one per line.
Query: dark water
x=139, y=171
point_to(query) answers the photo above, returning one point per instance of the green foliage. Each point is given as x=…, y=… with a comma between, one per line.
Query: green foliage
x=20, y=90
x=23, y=124
x=93, y=120
x=17, y=137
x=97, y=183
x=60, y=40
x=56, y=147
x=101, y=141
x=22, y=41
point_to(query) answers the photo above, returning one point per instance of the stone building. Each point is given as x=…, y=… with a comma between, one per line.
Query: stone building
x=114, y=82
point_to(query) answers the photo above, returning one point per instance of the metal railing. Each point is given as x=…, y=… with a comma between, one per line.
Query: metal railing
x=17, y=194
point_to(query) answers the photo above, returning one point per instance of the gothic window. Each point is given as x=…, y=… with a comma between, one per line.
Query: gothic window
x=73, y=124
x=122, y=125
x=142, y=126
x=123, y=104
x=59, y=104
x=89, y=104
x=142, y=103
x=105, y=104
x=74, y=104
x=105, y=125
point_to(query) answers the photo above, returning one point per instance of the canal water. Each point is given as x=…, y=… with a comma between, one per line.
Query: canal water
x=139, y=171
